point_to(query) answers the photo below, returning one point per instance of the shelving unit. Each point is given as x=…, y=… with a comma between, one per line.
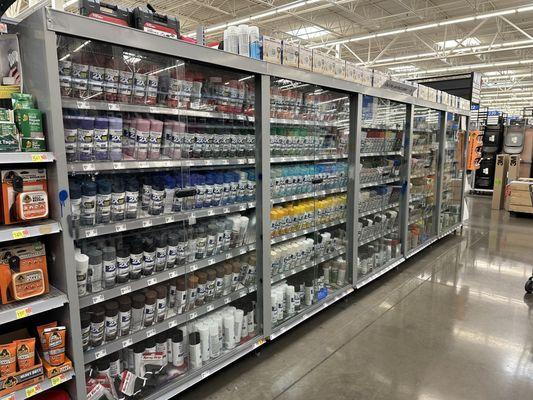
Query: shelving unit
x=356, y=139
x=40, y=387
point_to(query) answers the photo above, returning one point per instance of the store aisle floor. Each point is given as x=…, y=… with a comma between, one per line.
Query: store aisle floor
x=450, y=324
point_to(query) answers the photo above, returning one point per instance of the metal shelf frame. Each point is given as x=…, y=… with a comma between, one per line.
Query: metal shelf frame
x=38, y=37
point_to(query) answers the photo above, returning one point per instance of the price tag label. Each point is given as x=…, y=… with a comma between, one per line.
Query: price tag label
x=193, y=267
x=227, y=300
x=10, y=397
x=205, y=374
x=24, y=312
x=100, y=354
x=193, y=315
x=142, y=164
x=113, y=107
x=305, y=316
x=88, y=167
x=38, y=157
x=225, y=162
x=192, y=219
x=154, y=110
x=210, y=308
x=147, y=223
x=150, y=333
x=294, y=234
x=57, y=380
x=33, y=390
x=120, y=227
x=282, y=276
x=243, y=251
x=172, y=323
x=242, y=207
x=172, y=274
x=151, y=281
x=127, y=343
x=82, y=105
x=98, y=299
x=211, y=261
x=208, y=162
x=228, y=256
x=125, y=290
x=20, y=234
x=169, y=219
x=241, y=161
x=225, y=210
x=90, y=233
x=119, y=165
x=210, y=213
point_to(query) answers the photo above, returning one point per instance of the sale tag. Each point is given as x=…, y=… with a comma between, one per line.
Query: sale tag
x=38, y=157
x=24, y=312
x=20, y=234
x=56, y=380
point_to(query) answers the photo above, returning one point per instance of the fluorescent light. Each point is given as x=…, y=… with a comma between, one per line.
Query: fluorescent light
x=417, y=28
x=246, y=78
x=362, y=38
x=403, y=68
x=65, y=57
x=390, y=33
x=308, y=32
x=526, y=8
x=291, y=6
x=81, y=46
x=495, y=14
x=263, y=15
x=456, y=21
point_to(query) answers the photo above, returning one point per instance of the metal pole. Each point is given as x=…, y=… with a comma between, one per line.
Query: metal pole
x=440, y=169
x=406, y=178
x=354, y=160
x=262, y=168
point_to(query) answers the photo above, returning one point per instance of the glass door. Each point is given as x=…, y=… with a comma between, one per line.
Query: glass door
x=309, y=138
x=160, y=154
x=382, y=156
x=453, y=171
x=423, y=178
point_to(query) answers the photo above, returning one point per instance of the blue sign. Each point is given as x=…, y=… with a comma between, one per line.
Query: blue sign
x=493, y=113
x=474, y=107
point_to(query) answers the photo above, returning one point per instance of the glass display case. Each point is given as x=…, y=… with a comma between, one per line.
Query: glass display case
x=160, y=152
x=309, y=177
x=454, y=143
x=382, y=157
x=423, y=194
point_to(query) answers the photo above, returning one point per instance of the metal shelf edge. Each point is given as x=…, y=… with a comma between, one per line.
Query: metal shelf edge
x=19, y=157
x=40, y=387
x=383, y=270
x=314, y=309
x=36, y=229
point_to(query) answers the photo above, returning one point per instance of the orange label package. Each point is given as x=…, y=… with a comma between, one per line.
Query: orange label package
x=24, y=195
x=23, y=272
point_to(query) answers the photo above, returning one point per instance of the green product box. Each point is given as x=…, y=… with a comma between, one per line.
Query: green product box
x=5, y=115
x=29, y=122
x=9, y=138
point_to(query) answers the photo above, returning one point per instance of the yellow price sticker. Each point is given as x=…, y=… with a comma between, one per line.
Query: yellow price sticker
x=56, y=380
x=38, y=157
x=33, y=390
x=20, y=234
x=23, y=312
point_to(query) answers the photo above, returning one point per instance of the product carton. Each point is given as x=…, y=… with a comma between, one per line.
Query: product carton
x=271, y=50
x=521, y=195
x=305, y=60
x=423, y=92
x=500, y=174
x=353, y=72
x=30, y=125
x=329, y=64
x=9, y=137
x=445, y=98
x=513, y=173
x=24, y=195
x=290, y=54
x=51, y=370
x=319, y=62
x=432, y=94
x=340, y=68
x=367, y=76
x=379, y=78
x=23, y=378
x=28, y=278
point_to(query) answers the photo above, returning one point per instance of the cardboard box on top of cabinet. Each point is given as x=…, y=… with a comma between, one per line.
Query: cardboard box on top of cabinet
x=423, y=92
x=379, y=78
x=290, y=54
x=340, y=68
x=500, y=174
x=305, y=60
x=367, y=76
x=329, y=65
x=271, y=50
x=353, y=72
x=521, y=196
x=319, y=62
x=445, y=98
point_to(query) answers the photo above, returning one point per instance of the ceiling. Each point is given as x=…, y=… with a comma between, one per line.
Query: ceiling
x=402, y=37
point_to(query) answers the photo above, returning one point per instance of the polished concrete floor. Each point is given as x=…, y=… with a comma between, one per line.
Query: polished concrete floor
x=452, y=323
